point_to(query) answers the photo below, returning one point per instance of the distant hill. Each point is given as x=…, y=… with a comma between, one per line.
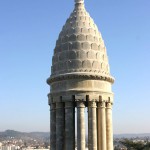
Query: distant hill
x=131, y=135
x=24, y=135
x=44, y=136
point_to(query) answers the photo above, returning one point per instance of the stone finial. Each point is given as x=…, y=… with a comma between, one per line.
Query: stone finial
x=79, y=1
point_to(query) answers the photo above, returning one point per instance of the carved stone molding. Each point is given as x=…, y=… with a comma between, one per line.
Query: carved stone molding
x=79, y=76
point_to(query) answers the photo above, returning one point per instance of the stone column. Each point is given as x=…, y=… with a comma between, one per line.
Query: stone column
x=53, y=126
x=60, y=126
x=80, y=126
x=109, y=130
x=69, y=126
x=92, y=126
x=101, y=123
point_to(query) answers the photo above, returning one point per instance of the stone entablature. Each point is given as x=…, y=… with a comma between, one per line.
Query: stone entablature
x=82, y=97
x=80, y=85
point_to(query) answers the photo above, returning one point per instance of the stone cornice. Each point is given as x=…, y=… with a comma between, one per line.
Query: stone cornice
x=79, y=76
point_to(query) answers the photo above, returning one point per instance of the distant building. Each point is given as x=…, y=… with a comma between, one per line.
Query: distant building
x=10, y=147
x=33, y=149
x=0, y=146
x=120, y=146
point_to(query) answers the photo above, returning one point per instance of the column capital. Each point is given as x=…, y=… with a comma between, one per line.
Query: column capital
x=92, y=97
x=102, y=104
x=59, y=105
x=80, y=97
x=109, y=105
x=92, y=104
x=102, y=99
x=52, y=106
x=69, y=105
x=80, y=104
x=50, y=100
x=67, y=98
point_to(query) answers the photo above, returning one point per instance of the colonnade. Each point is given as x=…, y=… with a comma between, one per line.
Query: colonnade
x=62, y=123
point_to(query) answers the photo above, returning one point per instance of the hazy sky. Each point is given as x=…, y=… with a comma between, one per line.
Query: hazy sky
x=28, y=31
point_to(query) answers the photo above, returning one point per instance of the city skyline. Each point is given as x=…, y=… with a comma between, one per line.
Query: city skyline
x=28, y=34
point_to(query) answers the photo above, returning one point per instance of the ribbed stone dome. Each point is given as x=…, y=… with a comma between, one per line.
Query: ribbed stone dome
x=80, y=48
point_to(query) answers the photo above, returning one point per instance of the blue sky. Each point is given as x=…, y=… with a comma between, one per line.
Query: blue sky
x=28, y=31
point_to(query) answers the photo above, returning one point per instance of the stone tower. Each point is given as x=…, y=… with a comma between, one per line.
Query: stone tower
x=80, y=78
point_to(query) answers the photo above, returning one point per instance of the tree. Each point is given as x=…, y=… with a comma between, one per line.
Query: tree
x=132, y=145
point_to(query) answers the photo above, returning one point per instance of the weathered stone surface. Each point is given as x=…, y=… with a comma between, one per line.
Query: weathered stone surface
x=60, y=126
x=53, y=126
x=109, y=129
x=69, y=126
x=101, y=118
x=80, y=126
x=92, y=126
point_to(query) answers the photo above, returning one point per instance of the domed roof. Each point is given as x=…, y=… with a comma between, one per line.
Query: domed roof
x=80, y=48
